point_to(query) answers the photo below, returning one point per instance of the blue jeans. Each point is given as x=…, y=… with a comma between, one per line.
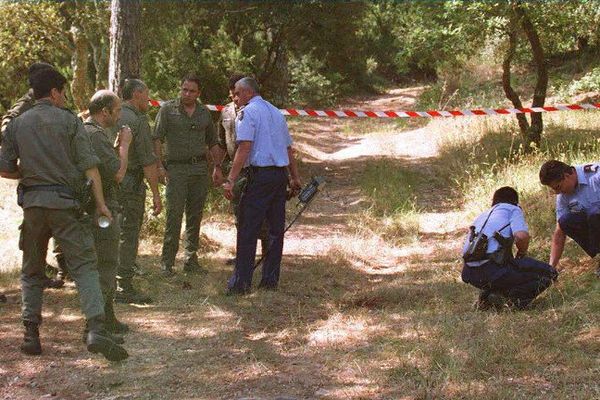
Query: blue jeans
x=520, y=280
x=584, y=229
x=264, y=198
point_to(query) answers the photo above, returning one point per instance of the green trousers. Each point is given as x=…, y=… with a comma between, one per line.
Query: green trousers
x=185, y=193
x=106, y=241
x=72, y=233
x=132, y=198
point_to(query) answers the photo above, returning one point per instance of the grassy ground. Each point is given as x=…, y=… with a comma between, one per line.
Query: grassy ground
x=358, y=315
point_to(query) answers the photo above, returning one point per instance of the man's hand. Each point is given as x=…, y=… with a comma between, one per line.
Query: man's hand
x=228, y=190
x=157, y=203
x=295, y=187
x=217, y=176
x=124, y=136
x=163, y=175
x=103, y=210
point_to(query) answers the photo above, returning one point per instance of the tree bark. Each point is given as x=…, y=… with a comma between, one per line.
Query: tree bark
x=80, y=87
x=541, y=86
x=125, y=42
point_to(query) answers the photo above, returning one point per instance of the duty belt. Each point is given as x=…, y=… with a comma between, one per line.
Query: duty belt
x=191, y=160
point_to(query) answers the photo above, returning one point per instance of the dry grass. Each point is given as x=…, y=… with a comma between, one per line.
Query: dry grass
x=356, y=317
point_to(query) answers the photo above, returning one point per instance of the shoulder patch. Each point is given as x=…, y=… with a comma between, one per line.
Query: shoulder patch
x=590, y=168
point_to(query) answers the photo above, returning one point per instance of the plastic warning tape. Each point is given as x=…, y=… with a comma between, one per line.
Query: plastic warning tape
x=416, y=114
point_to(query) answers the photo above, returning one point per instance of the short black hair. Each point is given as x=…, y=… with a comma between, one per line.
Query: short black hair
x=44, y=80
x=102, y=99
x=131, y=85
x=554, y=170
x=35, y=67
x=233, y=80
x=191, y=78
x=506, y=194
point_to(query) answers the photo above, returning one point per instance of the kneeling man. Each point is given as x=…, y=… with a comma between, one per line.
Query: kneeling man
x=488, y=261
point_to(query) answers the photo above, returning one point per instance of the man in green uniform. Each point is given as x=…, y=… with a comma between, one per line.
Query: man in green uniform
x=23, y=104
x=228, y=143
x=187, y=128
x=48, y=150
x=105, y=110
x=132, y=196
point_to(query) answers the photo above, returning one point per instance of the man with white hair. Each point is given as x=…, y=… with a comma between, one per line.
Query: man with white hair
x=264, y=155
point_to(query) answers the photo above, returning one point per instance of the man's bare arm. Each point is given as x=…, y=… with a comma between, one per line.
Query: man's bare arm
x=151, y=174
x=558, y=245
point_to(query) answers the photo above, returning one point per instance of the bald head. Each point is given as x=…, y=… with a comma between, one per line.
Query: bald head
x=105, y=108
x=102, y=99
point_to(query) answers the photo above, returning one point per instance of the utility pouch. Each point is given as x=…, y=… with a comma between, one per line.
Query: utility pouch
x=478, y=242
x=477, y=248
x=503, y=255
x=20, y=194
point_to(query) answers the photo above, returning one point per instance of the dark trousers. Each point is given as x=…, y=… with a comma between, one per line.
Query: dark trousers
x=264, y=198
x=521, y=280
x=584, y=229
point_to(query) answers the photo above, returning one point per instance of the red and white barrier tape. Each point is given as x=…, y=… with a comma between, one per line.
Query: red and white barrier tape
x=416, y=114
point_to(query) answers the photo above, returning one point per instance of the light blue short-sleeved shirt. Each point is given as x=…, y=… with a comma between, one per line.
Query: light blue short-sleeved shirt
x=586, y=197
x=500, y=215
x=262, y=123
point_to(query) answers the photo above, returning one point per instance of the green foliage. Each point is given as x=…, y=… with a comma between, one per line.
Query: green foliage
x=29, y=32
x=308, y=86
x=589, y=82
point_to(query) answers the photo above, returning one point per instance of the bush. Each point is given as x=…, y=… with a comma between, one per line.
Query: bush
x=309, y=86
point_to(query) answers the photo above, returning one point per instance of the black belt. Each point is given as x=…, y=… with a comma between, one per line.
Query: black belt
x=49, y=188
x=191, y=160
x=268, y=168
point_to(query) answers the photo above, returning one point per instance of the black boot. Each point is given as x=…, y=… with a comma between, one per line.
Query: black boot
x=118, y=339
x=31, y=340
x=126, y=293
x=100, y=341
x=113, y=325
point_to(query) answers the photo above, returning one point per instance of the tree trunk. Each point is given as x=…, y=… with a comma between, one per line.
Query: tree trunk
x=125, y=42
x=541, y=85
x=510, y=93
x=79, y=62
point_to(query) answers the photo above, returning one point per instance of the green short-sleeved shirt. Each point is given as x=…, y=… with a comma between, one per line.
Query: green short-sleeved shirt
x=186, y=136
x=141, y=152
x=109, y=161
x=227, y=136
x=52, y=148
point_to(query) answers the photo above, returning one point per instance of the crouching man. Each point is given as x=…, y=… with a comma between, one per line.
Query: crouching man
x=489, y=264
x=577, y=207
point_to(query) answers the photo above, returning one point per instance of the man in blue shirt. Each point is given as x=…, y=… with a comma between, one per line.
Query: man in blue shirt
x=577, y=206
x=493, y=269
x=264, y=155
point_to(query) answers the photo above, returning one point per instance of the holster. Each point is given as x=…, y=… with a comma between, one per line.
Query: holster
x=20, y=194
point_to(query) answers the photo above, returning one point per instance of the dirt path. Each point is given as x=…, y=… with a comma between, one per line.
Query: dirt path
x=305, y=341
